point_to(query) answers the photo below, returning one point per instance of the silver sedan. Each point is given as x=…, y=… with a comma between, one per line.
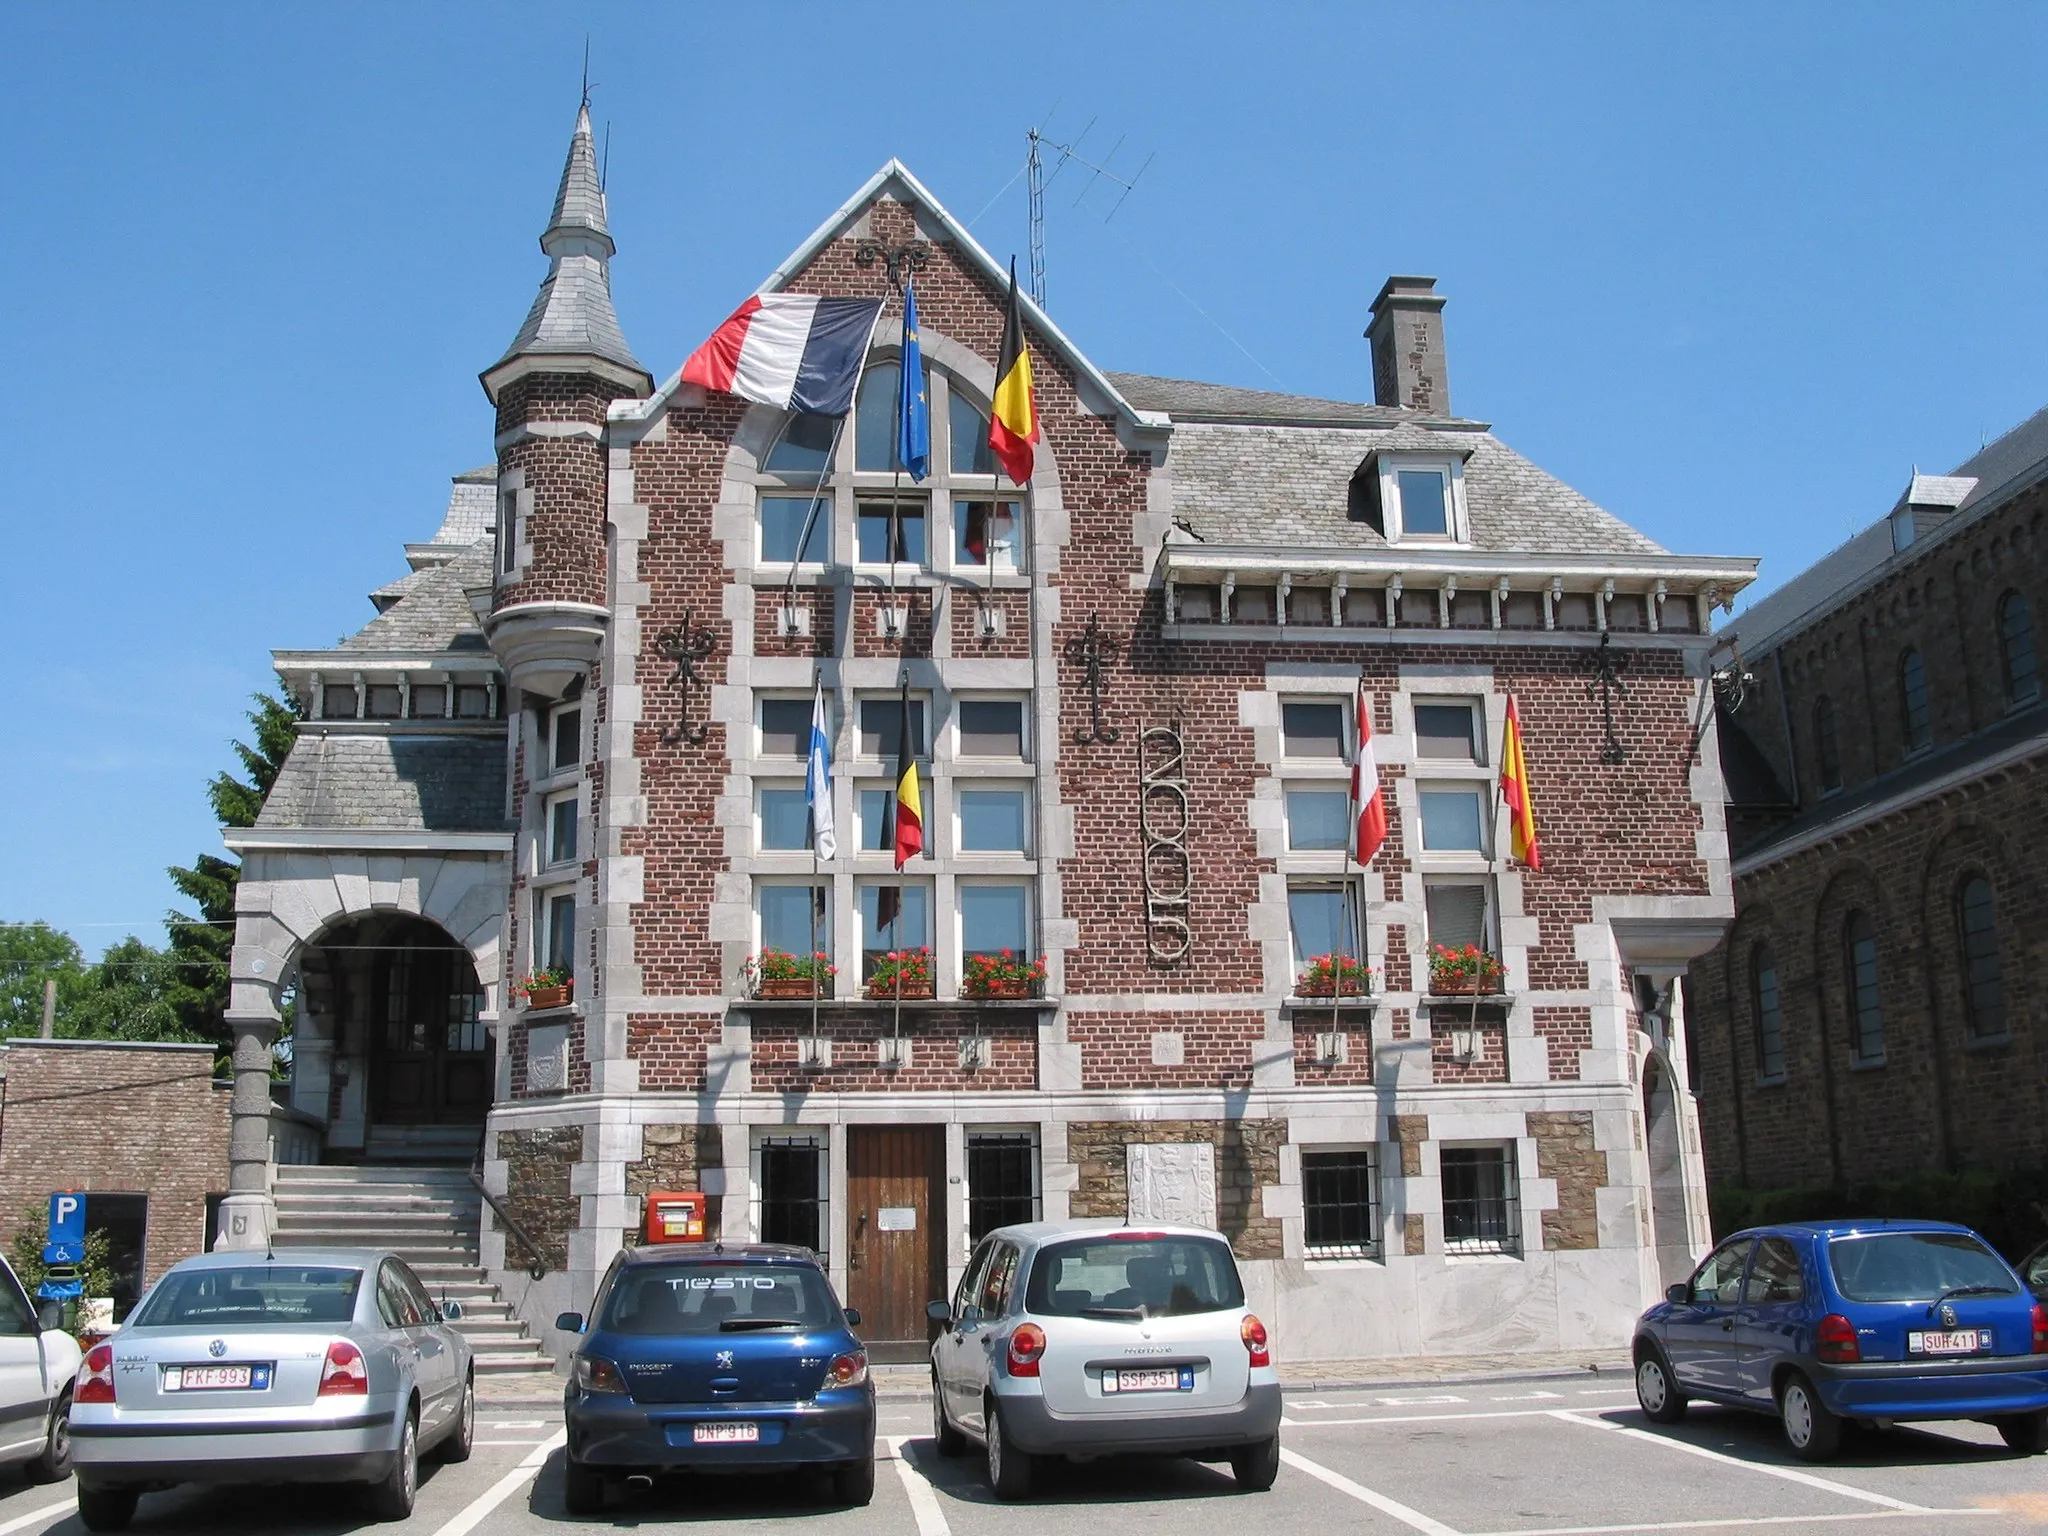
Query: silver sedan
x=306, y=1365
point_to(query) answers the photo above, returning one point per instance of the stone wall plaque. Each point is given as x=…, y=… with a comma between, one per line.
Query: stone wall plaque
x=547, y=1058
x=1171, y=1182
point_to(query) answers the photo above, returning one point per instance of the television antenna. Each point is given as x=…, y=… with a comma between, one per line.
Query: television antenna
x=1038, y=179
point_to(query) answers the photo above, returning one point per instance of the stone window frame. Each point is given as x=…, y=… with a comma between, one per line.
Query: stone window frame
x=1862, y=990
x=548, y=724
x=513, y=524
x=545, y=892
x=545, y=859
x=1028, y=1130
x=1916, y=713
x=762, y=881
x=1022, y=788
x=2019, y=691
x=1457, y=515
x=1324, y=786
x=1762, y=959
x=1514, y=1243
x=1374, y=1249
x=761, y=786
x=820, y=1137
x=956, y=928
x=1976, y=1009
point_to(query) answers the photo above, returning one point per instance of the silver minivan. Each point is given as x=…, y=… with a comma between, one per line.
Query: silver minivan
x=1091, y=1338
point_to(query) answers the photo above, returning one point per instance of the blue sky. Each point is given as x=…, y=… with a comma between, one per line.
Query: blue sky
x=1731, y=272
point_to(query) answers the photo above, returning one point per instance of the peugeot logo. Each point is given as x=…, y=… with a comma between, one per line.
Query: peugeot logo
x=217, y=1348
x=1948, y=1315
x=725, y=1359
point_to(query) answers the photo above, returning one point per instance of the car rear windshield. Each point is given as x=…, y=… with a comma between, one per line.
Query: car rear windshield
x=1916, y=1266
x=1133, y=1275
x=719, y=1298
x=261, y=1294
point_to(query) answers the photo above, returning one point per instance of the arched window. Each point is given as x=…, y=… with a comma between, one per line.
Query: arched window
x=802, y=448
x=874, y=418
x=1983, y=981
x=1828, y=749
x=1770, y=1024
x=1919, y=726
x=2016, y=649
x=971, y=452
x=1866, y=1014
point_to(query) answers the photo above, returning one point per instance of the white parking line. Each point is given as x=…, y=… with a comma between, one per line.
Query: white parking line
x=1424, y=1418
x=1528, y=1397
x=47, y=1512
x=1789, y=1474
x=1413, y=1518
x=512, y=1423
x=1417, y=1402
x=473, y=1515
x=528, y=1441
x=924, y=1503
x=1745, y=1522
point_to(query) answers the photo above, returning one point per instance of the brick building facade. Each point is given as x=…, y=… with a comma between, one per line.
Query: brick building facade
x=1885, y=739
x=1132, y=685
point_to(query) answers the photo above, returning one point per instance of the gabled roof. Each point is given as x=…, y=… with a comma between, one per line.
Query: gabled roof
x=429, y=610
x=1189, y=400
x=894, y=180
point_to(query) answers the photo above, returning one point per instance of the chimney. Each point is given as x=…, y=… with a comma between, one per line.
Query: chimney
x=1407, y=336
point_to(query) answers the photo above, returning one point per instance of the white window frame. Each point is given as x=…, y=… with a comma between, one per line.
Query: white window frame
x=958, y=936
x=866, y=852
x=778, y=490
x=761, y=787
x=545, y=771
x=1489, y=922
x=959, y=491
x=514, y=513
x=866, y=491
x=545, y=895
x=759, y=748
x=962, y=788
x=886, y=755
x=791, y=1135
x=868, y=881
x=1374, y=1248
x=820, y=882
x=954, y=734
x=1451, y=767
x=1347, y=732
x=548, y=861
x=1351, y=885
x=1453, y=860
x=1341, y=788
x=1392, y=465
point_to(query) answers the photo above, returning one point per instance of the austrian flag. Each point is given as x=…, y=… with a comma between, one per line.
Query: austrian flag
x=792, y=350
x=1368, y=800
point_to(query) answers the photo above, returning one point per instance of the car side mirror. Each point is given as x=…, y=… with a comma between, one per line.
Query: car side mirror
x=50, y=1317
x=1681, y=1292
x=569, y=1322
x=853, y=1317
x=938, y=1311
x=451, y=1311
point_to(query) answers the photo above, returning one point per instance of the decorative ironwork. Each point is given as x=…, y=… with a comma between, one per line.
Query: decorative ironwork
x=1729, y=688
x=1607, y=665
x=911, y=256
x=1164, y=817
x=686, y=647
x=1092, y=650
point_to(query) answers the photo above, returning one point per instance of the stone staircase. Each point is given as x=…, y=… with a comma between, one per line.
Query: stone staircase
x=428, y=1216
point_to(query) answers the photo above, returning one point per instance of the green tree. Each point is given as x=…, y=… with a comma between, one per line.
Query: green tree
x=199, y=945
x=30, y=954
x=133, y=993
x=25, y=1253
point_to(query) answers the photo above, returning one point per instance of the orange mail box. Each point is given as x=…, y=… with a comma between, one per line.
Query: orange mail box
x=675, y=1216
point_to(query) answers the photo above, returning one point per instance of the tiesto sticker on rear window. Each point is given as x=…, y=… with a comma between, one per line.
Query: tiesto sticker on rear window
x=721, y=1283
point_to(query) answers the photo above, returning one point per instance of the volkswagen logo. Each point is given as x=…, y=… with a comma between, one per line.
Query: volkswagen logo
x=725, y=1359
x=1948, y=1315
x=217, y=1348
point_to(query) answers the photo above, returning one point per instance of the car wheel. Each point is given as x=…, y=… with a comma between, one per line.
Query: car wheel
x=1009, y=1469
x=2026, y=1433
x=1811, y=1430
x=106, y=1509
x=461, y=1439
x=1255, y=1466
x=854, y=1483
x=582, y=1489
x=1656, y=1393
x=948, y=1440
x=391, y=1496
x=53, y=1463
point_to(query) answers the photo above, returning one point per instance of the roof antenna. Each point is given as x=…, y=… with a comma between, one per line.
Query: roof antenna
x=1038, y=180
x=586, y=72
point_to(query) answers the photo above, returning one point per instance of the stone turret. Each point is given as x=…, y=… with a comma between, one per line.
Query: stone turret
x=551, y=389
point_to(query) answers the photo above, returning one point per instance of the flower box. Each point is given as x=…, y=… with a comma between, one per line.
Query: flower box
x=1460, y=986
x=901, y=973
x=1333, y=975
x=777, y=974
x=1002, y=974
x=1467, y=972
x=912, y=989
x=547, y=997
x=1351, y=987
x=1004, y=987
x=793, y=988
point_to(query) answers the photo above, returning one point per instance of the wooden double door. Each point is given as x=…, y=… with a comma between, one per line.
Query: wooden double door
x=896, y=1235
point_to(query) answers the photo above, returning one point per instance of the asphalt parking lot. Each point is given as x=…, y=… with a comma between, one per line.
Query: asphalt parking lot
x=1531, y=1457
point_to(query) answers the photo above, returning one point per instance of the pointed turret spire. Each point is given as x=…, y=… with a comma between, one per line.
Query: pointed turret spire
x=572, y=317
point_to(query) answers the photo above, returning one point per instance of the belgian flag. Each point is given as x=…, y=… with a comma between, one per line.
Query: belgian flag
x=1013, y=424
x=909, y=817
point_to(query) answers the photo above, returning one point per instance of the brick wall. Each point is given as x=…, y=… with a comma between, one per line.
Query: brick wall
x=1247, y=1157
x=116, y=1118
x=934, y=1065
x=566, y=478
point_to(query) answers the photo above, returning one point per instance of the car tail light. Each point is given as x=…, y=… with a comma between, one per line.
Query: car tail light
x=1253, y=1332
x=95, y=1383
x=848, y=1370
x=1027, y=1344
x=2040, y=1329
x=344, y=1374
x=1834, y=1341
x=594, y=1373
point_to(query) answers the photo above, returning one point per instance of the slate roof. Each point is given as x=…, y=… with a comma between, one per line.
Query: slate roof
x=472, y=507
x=377, y=782
x=1189, y=399
x=573, y=312
x=1247, y=484
x=429, y=610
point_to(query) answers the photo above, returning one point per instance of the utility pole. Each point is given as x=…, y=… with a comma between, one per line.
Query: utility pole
x=49, y=1007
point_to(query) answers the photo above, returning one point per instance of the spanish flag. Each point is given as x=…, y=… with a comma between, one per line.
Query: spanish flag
x=1514, y=789
x=1013, y=424
x=909, y=816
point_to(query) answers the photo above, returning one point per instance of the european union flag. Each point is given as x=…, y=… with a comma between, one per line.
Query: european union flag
x=913, y=407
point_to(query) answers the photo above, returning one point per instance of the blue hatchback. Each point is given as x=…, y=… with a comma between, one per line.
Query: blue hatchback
x=719, y=1359
x=1870, y=1321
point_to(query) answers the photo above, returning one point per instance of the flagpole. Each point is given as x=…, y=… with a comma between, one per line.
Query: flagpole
x=811, y=516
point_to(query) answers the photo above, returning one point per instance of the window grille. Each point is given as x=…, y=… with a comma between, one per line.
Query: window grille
x=1340, y=1203
x=791, y=1185
x=1002, y=1180
x=1482, y=1200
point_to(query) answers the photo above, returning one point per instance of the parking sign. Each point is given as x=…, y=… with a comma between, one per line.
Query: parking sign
x=66, y=1241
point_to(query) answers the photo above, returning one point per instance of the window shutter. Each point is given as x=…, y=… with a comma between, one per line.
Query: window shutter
x=1457, y=915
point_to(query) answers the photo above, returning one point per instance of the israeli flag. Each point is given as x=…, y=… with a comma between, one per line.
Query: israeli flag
x=818, y=780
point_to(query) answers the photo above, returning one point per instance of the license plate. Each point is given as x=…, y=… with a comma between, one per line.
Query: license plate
x=1165, y=1379
x=216, y=1378
x=725, y=1434
x=1967, y=1342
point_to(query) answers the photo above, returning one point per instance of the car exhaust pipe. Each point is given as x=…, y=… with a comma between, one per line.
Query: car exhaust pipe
x=640, y=1482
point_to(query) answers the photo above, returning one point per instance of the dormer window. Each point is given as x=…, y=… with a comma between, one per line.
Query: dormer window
x=1412, y=499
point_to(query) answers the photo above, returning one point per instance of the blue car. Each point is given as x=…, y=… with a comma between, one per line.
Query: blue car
x=1829, y=1322
x=719, y=1359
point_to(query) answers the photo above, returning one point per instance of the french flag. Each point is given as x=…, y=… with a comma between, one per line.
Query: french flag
x=792, y=350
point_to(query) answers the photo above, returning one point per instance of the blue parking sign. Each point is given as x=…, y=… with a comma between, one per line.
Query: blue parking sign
x=67, y=1217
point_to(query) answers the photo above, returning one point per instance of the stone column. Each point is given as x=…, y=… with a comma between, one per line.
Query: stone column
x=248, y=1214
